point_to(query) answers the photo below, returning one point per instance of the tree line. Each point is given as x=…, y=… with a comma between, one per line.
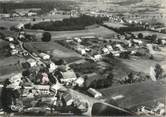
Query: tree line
x=73, y=23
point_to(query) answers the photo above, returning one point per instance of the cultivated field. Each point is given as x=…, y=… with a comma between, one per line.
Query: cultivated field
x=53, y=48
x=114, y=25
x=137, y=94
x=56, y=35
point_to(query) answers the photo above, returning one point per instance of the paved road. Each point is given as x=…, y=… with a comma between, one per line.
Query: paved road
x=91, y=101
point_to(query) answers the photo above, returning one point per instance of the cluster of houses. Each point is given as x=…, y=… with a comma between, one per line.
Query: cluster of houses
x=21, y=13
x=96, y=48
x=158, y=110
x=42, y=78
x=55, y=98
x=129, y=20
x=72, y=13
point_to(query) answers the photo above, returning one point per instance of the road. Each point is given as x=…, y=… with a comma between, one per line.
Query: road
x=82, y=97
x=92, y=101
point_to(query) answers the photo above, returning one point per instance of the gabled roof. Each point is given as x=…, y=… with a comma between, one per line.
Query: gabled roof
x=68, y=74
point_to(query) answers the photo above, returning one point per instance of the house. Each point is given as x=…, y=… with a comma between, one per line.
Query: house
x=97, y=57
x=94, y=93
x=32, y=62
x=139, y=42
x=87, y=49
x=68, y=76
x=4, y=15
x=44, y=56
x=31, y=13
x=163, y=42
x=69, y=40
x=12, y=46
x=120, y=47
x=57, y=87
x=80, y=81
x=14, y=52
x=19, y=26
x=109, y=47
x=78, y=40
x=105, y=50
x=15, y=15
x=81, y=50
x=45, y=79
x=52, y=67
x=21, y=36
x=116, y=53
x=10, y=39
x=41, y=89
x=15, y=81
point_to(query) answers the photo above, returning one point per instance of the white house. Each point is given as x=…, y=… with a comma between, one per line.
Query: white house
x=95, y=93
x=52, y=67
x=68, y=76
x=15, y=81
x=120, y=47
x=116, y=53
x=163, y=42
x=12, y=46
x=19, y=26
x=10, y=39
x=14, y=52
x=31, y=13
x=139, y=42
x=97, y=57
x=80, y=81
x=32, y=62
x=81, y=50
x=78, y=40
x=21, y=36
x=109, y=47
x=105, y=50
x=44, y=56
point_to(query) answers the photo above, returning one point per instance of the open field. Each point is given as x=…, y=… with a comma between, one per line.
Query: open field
x=114, y=25
x=16, y=20
x=8, y=33
x=56, y=35
x=140, y=65
x=8, y=23
x=137, y=94
x=143, y=65
x=54, y=49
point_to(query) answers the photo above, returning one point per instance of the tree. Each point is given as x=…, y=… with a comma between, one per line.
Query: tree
x=158, y=70
x=46, y=37
x=2, y=36
x=140, y=35
x=154, y=38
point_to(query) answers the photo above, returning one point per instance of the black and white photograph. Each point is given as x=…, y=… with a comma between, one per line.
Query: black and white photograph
x=82, y=58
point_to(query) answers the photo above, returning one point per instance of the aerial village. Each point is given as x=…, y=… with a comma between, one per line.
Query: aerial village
x=105, y=64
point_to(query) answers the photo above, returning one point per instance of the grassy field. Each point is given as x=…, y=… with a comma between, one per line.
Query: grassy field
x=141, y=64
x=137, y=94
x=9, y=66
x=114, y=25
x=56, y=35
x=53, y=48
